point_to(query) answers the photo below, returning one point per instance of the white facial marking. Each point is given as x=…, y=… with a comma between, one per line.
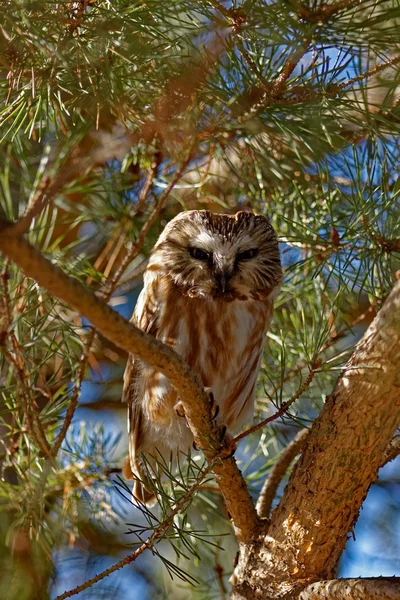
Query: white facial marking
x=213, y=243
x=204, y=239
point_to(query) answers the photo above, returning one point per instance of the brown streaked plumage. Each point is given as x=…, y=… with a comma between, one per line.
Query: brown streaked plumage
x=208, y=293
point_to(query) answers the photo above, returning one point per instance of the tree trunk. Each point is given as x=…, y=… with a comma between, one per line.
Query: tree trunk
x=342, y=455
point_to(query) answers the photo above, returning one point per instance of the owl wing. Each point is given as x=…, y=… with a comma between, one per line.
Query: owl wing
x=145, y=317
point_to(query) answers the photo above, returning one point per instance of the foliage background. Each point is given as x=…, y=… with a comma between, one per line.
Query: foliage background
x=116, y=116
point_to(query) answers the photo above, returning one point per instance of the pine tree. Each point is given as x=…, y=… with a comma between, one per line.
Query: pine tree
x=115, y=116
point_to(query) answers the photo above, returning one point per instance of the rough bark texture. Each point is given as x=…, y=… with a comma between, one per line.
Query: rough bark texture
x=342, y=455
x=378, y=588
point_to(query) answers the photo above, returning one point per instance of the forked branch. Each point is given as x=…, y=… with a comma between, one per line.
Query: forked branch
x=346, y=447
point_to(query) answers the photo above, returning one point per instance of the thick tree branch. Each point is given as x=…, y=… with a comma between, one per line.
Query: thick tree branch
x=125, y=335
x=347, y=443
x=270, y=487
x=374, y=588
x=342, y=456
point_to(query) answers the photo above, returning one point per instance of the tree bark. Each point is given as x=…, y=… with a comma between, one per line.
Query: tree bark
x=342, y=455
x=375, y=588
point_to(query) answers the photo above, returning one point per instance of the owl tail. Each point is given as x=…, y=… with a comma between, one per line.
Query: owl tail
x=141, y=489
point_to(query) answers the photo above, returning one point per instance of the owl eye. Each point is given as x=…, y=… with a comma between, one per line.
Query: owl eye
x=247, y=254
x=199, y=254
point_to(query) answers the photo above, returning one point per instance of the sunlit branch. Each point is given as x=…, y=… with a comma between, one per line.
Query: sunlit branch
x=371, y=588
x=207, y=435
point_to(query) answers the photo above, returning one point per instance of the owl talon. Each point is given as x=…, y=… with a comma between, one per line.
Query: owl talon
x=230, y=446
x=223, y=432
x=180, y=411
x=195, y=447
x=211, y=399
x=210, y=395
x=230, y=454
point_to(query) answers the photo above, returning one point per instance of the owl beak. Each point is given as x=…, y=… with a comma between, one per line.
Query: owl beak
x=223, y=278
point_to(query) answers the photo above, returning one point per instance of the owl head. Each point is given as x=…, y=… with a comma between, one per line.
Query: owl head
x=223, y=256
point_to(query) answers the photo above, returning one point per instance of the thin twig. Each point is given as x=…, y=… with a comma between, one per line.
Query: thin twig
x=284, y=406
x=117, y=234
x=157, y=534
x=290, y=65
x=219, y=571
x=370, y=73
x=387, y=245
x=253, y=67
x=92, y=151
x=78, y=14
x=116, y=251
x=277, y=473
x=339, y=335
x=75, y=395
x=37, y=204
x=151, y=173
x=29, y=405
x=36, y=433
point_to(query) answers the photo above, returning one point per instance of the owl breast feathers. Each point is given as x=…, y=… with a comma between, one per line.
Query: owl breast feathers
x=208, y=293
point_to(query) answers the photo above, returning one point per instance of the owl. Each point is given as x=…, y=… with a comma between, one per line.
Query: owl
x=208, y=293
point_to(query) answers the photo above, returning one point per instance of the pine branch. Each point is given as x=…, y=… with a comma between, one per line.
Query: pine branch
x=325, y=11
x=387, y=245
x=16, y=358
x=207, y=435
x=284, y=406
x=370, y=73
x=39, y=201
x=73, y=403
x=156, y=535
